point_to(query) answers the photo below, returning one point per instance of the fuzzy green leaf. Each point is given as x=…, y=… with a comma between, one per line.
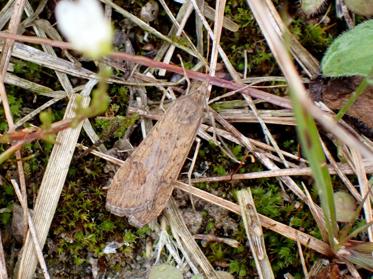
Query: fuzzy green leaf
x=351, y=53
x=165, y=271
x=345, y=206
x=311, y=6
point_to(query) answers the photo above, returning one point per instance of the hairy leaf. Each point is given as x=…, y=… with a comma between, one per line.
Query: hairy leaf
x=351, y=53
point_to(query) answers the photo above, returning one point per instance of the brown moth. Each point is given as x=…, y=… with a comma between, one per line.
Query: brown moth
x=143, y=184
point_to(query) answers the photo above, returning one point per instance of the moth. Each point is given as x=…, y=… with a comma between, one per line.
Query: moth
x=143, y=185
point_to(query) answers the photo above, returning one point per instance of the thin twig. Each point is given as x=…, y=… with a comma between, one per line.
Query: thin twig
x=268, y=223
x=302, y=260
x=276, y=173
x=266, y=23
x=179, y=228
x=289, y=232
x=3, y=272
x=190, y=171
x=34, y=236
x=273, y=99
x=254, y=233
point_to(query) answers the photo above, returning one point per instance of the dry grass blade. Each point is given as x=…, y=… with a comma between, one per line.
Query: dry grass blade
x=218, y=26
x=6, y=13
x=257, y=144
x=181, y=19
x=317, y=216
x=51, y=187
x=228, y=23
x=340, y=173
x=143, y=25
x=39, y=57
x=8, y=45
x=302, y=260
x=249, y=117
x=6, y=53
x=62, y=77
x=213, y=238
x=306, y=240
x=365, y=190
x=34, y=14
x=178, y=227
x=305, y=59
x=199, y=26
x=261, y=156
x=32, y=86
x=3, y=272
x=271, y=98
x=344, y=168
x=180, y=30
x=237, y=79
x=289, y=232
x=35, y=112
x=276, y=43
x=254, y=233
x=35, y=240
x=233, y=116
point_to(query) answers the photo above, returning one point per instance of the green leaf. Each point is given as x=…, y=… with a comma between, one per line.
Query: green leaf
x=311, y=145
x=345, y=207
x=351, y=53
x=311, y=6
x=165, y=271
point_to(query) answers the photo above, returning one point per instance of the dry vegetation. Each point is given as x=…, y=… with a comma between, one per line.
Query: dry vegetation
x=245, y=200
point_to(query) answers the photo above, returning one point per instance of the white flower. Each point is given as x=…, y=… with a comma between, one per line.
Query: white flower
x=84, y=25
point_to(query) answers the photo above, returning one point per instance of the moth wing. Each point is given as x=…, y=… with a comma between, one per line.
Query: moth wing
x=185, y=125
x=143, y=185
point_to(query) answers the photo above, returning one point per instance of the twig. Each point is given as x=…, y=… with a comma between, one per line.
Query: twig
x=254, y=233
x=51, y=186
x=302, y=260
x=218, y=26
x=273, y=99
x=277, y=173
x=266, y=222
x=190, y=171
x=178, y=227
x=34, y=236
x=150, y=29
x=6, y=13
x=364, y=189
x=260, y=11
x=5, y=57
x=13, y=26
x=289, y=232
x=3, y=272
x=35, y=112
x=340, y=173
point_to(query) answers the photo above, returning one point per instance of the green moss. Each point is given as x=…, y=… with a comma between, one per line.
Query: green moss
x=314, y=37
x=237, y=267
x=115, y=127
x=249, y=39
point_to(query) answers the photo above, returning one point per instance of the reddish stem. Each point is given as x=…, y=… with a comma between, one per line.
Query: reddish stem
x=270, y=98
